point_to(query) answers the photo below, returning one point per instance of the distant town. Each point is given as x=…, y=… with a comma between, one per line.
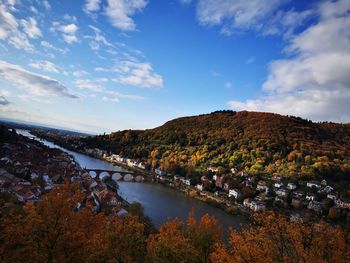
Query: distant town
x=29, y=169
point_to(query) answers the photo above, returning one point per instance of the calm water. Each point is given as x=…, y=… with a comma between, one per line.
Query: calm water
x=160, y=203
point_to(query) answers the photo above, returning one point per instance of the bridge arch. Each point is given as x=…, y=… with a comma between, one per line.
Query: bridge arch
x=104, y=175
x=93, y=174
x=117, y=176
x=139, y=178
x=128, y=178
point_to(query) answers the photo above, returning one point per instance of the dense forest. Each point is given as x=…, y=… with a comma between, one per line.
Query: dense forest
x=53, y=231
x=258, y=143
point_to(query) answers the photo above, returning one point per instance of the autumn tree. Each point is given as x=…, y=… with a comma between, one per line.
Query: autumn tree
x=274, y=239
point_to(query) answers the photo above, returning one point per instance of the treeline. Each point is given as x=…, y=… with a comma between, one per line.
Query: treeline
x=251, y=141
x=53, y=231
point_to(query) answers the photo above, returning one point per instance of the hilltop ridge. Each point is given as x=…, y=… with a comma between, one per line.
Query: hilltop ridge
x=252, y=141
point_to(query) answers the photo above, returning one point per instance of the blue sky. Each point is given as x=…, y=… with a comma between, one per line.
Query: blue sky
x=105, y=65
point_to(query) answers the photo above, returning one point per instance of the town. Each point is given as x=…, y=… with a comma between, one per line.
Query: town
x=302, y=200
x=29, y=169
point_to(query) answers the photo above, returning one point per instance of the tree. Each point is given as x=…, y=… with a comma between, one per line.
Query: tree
x=274, y=239
x=171, y=244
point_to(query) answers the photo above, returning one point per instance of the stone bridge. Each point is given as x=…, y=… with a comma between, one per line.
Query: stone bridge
x=115, y=175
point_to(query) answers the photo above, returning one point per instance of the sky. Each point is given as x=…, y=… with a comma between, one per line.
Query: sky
x=106, y=65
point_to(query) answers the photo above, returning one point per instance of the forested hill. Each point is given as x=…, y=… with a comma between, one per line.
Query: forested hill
x=252, y=141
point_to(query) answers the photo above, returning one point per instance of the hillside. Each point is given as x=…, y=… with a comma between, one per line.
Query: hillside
x=250, y=141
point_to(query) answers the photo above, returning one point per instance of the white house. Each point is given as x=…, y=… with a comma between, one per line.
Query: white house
x=343, y=203
x=332, y=196
x=213, y=169
x=235, y=193
x=257, y=206
x=199, y=187
x=282, y=192
x=312, y=184
x=291, y=186
x=188, y=182
x=234, y=170
x=159, y=171
x=247, y=202
x=311, y=196
x=278, y=184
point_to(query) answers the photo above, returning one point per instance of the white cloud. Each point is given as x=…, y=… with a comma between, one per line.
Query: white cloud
x=70, y=18
x=33, y=9
x=119, y=12
x=70, y=38
x=52, y=47
x=31, y=28
x=285, y=22
x=46, y=4
x=68, y=31
x=265, y=17
x=109, y=95
x=33, y=83
x=79, y=73
x=9, y=30
x=89, y=85
x=92, y=5
x=97, y=39
x=314, y=82
x=138, y=74
x=45, y=66
x=236, y=14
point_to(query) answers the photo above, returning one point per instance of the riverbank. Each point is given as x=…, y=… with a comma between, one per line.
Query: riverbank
x=152, y=177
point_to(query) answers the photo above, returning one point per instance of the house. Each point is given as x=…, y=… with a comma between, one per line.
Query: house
x=122, y=212
x=291, y=186
x=313, y=184
x=109, y=197
x=278, y=185
x=343, y=203
x=257, y=206
x=34, y=176
x=298, y=194
x=277, y=178
x=188, y=182
x=29, y=196
x=213, y=169
x=261, y=186
x=24, y=182
x=159, y=171
x=236, y=193
x=311, y=196
x=142, y=165
x=327, y=189
x=199, y=187
x=282, y=193
x=332, y=196
x=234, y=170
x=247, y=202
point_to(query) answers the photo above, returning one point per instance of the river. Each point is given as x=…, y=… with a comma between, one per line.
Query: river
x=160, y=203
